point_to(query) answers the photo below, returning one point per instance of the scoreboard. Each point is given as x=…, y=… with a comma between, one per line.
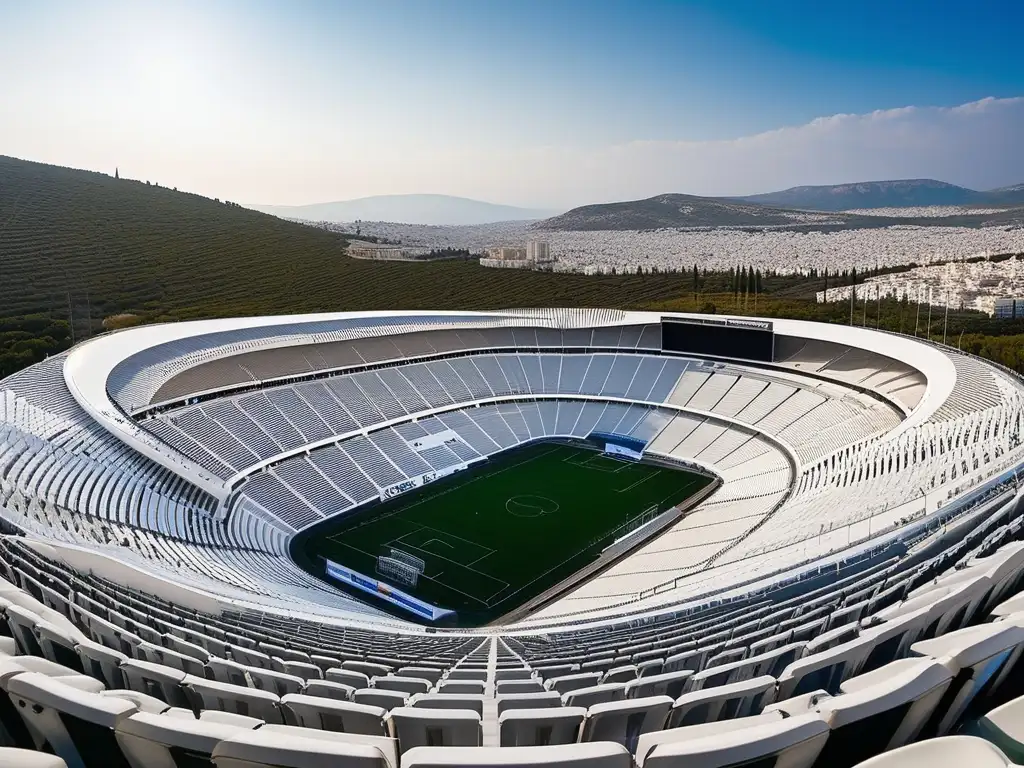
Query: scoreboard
x=720, y=337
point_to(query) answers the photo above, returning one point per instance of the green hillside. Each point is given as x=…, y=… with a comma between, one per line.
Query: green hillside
x=135, y=247
x=80, y=251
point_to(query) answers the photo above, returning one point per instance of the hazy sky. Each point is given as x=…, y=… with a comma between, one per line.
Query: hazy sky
x=551, y=103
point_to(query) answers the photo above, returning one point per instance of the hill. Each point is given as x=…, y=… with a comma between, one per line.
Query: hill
x=1013, y=195
x=689, y=211
x=407, y=209
x=78, y=248
x=904, y=193
x=670, y=211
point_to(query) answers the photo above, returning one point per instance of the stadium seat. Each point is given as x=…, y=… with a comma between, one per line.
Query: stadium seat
x=881, y=710
x=595, y=694
x=348, y=677
x=825, y=670
x=251, y=658
x=508, y=675
x=156, y=680
x=333, y=715
x=1003, y=727
x=155, y=654
x=276, y=682
x=226, y=671
x=467, y=674
x=102, y=663
x=11, y=757
x=461, y=686
x=979, y=658
x=159, y=741
x=598, y=755
x=406, y=685
x=550, y=671
x=58, y=645
x=567, y=683
x=672, y=684
x=620, y=674
x=528, y=701
x=12, y=726
x=430, y=674
x=741, y=699
x=375, y=697
x=22, y=623
x=625, y=721
x=416, y=727
x=511, y=687
x=367, y=668
x=142, y=701
x=303, y=670
x=251, y=702
x=329, y=690
x=76, y=725
x=795, y=742
x=449, y=701
x=539, y=727
x=947, y=752
x=283, y=746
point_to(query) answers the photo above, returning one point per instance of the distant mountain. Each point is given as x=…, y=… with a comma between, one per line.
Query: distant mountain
x=406, y=209
x=905, y=193
x=688, y=211
x=902, y=193
x=1006, y=195
x=673, y=211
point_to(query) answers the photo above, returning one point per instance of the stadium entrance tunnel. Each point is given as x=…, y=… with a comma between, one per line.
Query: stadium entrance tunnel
x=502, y=537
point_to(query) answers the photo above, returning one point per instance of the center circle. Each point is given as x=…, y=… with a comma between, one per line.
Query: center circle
x=529, y=505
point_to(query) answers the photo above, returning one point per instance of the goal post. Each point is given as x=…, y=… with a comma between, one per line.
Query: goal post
x=398, y=571
x=411, y=560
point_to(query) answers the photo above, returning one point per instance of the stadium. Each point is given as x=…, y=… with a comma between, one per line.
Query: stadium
x=441, y=538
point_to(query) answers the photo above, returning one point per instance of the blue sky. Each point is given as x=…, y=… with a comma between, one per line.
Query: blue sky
x=552, y=103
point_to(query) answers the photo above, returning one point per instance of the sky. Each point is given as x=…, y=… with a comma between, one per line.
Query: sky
x=539, y=103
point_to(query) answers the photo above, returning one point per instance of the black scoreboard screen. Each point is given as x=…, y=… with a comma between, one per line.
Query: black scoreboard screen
x=742, y=339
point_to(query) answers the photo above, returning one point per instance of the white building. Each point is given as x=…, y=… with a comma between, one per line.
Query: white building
x=506, y=253
x=538, y=250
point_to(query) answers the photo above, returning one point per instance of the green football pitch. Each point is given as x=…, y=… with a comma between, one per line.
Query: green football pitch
x=500, y=533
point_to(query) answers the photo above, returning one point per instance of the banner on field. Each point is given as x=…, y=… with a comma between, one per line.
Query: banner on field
x=386, y=592
x=415, y=482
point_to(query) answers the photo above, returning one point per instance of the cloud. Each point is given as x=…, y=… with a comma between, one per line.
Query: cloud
x=976, y=145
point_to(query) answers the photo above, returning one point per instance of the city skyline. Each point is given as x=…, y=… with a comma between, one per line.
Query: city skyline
x=532, y=104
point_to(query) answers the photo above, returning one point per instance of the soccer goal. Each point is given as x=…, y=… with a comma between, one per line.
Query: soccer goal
x=398, y=572
x=410, y=560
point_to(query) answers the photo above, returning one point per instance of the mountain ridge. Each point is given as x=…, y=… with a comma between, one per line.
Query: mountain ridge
x=427, y=209
x=678, y=211
x=887, y=193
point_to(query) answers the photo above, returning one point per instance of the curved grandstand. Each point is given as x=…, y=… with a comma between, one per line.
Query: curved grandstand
x=619, y=497
x=195, y=452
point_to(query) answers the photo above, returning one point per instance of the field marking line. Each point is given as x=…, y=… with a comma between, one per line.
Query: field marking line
x=460, y=538
x=446, y=585
x=360, y=550
x=453, y=562
x=585, y=463
x=482, y=557
x=439, y=541
x=630, y=487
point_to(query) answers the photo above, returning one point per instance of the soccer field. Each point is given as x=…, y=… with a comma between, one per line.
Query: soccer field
x=496, y=535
